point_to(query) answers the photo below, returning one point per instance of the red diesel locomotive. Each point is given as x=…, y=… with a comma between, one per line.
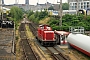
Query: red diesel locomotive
x=46, y=35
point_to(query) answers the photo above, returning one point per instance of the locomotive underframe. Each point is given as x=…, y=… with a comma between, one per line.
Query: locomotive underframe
x=47, y=42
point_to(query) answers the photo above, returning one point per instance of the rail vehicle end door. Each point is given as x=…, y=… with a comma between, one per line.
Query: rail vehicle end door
x=60, y=37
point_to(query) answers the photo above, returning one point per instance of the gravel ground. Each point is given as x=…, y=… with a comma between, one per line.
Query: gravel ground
x=75, y=55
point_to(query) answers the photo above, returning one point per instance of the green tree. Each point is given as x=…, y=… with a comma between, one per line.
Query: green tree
x=70, y=20
x=23, y=10
x=43, y=14
x=16, y=13
x=65, y=6
x=37, y=14
x=51, y=8
x=30, y=13
x=32, y=17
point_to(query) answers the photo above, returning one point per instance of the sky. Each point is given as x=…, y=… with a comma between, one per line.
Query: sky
x=33, y=2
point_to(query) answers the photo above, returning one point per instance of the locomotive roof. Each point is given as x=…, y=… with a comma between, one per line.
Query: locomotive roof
x=43, y=25
x=61, y=32
x=49, y=31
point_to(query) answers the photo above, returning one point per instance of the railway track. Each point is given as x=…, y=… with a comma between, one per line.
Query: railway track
x=57, y=55
x=27, y=50
x=29, y=54
x=33, y=29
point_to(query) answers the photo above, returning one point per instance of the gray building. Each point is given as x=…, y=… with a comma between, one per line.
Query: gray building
x=82, y=4
x=34, y=7
x=42, y=6
x=24, y=6
x=27, y=2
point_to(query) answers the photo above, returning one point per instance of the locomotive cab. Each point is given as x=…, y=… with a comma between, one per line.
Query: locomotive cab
x=60, y=37
x=46, y=35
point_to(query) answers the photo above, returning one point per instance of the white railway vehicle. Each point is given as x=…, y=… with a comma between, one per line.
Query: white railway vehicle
x=80, y=42
x=70, y=12
x=56, y=13
x=53, y=13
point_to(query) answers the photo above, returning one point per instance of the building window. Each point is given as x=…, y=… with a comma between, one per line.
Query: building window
x=84, y=3
x=75, y=7
x=81, y=3
x=87, y=6
x=87, y=3
x=81, y=7
x=75, y=4
x=84, y=7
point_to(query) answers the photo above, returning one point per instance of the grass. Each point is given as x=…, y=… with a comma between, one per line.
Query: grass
x=29, y=34
x=44, y=21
